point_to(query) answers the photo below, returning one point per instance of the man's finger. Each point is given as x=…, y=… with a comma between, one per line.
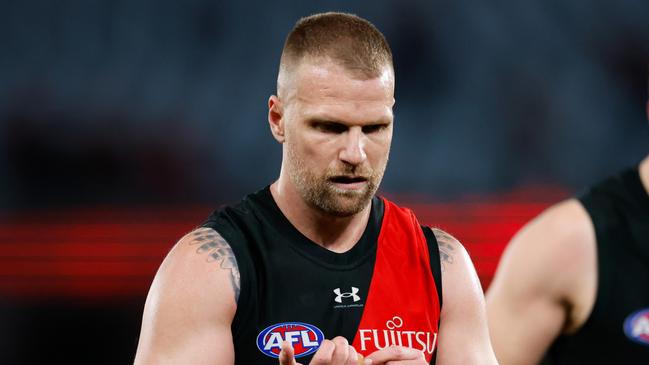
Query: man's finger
x=324, y=353
x=352, y=358
x=357, y=359
x=360, y=360
x=394, y=353
x=287, y=355
x=341, y=354
x=406, y=362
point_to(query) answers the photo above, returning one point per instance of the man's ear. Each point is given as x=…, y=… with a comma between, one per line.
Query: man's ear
x=276, y=118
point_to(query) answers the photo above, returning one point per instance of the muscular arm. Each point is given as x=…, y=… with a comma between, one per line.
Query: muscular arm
x=545, y=284
x=191, y=304
x=463, y=333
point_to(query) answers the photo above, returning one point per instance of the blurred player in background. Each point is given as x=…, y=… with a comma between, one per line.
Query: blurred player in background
x=574, y=282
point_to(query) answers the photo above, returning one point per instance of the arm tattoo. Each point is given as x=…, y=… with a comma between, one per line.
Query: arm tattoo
x=219, y=251
x=445, y=242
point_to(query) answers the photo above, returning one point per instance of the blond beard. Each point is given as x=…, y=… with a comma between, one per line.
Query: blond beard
x=320, y=193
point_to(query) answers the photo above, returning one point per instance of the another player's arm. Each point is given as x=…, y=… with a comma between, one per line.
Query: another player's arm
x=539, y=285
x=463, y=334
x=191, y=304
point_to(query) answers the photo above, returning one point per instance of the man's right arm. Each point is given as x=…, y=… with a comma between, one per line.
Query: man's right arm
x=191, y=304
x=544, y=284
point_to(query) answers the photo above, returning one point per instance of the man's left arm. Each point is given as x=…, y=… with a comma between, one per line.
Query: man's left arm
x=463, y=334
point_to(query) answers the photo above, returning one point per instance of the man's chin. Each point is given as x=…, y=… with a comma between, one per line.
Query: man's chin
x=342, y=212
x=349, y=194
x=348, y=203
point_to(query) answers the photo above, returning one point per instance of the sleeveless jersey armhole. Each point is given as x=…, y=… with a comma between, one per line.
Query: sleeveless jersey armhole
x=436, y=269
x=435, y=264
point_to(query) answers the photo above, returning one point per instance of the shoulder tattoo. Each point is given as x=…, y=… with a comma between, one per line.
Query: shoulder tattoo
x=446, y=244
x=218, y=251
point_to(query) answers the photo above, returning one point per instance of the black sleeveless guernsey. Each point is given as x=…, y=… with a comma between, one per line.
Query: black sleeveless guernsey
x=385, y=290
x=617, y=331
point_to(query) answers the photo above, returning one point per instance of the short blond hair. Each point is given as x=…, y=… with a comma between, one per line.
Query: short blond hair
x=347, y=39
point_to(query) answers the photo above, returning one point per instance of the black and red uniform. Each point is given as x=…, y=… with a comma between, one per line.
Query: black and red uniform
x=384, y=291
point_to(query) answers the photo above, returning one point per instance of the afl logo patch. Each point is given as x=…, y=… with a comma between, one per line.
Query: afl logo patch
x=305, y=338
x=636, y=326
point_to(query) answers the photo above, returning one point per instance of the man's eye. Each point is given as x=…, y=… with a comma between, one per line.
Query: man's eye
x=330, y=127
x=373, y=128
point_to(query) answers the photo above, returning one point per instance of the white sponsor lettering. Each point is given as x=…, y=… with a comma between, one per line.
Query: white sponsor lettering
x=409, y=334
x=421, y=342
x=379, y=339
x=364, y=338
x=386, y=342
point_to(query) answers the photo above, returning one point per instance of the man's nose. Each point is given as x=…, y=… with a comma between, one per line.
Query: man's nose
x=353, y=152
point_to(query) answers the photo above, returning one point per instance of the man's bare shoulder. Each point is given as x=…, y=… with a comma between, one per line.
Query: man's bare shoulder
x=567, y=221
x=559, y=242
x=456, y=263
x=204, y=254
x=201, y=271
x=551, y=261
x=448, y=246
x=452, y=254
x=191, y=303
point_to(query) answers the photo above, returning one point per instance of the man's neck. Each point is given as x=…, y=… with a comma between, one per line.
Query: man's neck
x=644, y=173
x=338, y=234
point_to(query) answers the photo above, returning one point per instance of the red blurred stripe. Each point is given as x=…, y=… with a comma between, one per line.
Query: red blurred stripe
x=75, y=287
x=89, y=249
x=88, y=268
x=107, y=252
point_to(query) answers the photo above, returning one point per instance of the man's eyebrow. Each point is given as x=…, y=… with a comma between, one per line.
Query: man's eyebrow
x=385, y=120
x=325, y=120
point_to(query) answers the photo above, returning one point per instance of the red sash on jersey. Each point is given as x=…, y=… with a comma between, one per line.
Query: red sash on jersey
x=402, y=306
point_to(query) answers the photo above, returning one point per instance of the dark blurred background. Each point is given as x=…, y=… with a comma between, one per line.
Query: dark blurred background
x=124, y=123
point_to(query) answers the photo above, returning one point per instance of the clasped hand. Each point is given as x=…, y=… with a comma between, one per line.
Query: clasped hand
x=339, y=352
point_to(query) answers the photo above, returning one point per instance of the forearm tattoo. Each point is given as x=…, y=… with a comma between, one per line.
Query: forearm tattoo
x=446, y=244
x=219, y=251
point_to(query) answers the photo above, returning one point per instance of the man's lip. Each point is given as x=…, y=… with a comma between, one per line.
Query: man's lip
x=349, y=182
x=357, y=185
x=356, y=179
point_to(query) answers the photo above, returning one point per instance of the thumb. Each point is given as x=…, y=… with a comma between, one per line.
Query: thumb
x=287, y=355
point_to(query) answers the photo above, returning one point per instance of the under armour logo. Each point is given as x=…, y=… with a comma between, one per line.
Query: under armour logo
x=353, y=294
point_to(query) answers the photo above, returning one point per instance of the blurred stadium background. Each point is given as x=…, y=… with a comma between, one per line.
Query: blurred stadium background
x=124, y=123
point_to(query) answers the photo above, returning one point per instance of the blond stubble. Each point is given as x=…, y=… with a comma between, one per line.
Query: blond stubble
x=319, y=192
